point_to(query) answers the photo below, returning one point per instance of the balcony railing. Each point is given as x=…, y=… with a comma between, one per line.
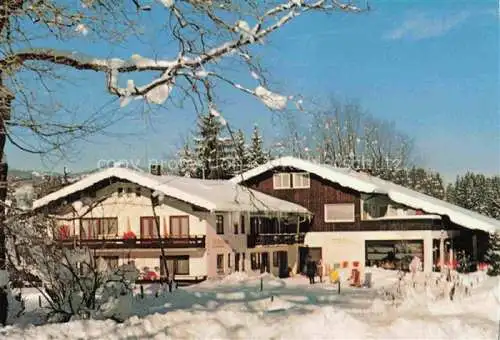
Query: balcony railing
x=167, y=242
x=274, y=239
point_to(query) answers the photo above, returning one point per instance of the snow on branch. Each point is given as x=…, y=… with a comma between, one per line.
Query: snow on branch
x=272, y=100
x=191, y=61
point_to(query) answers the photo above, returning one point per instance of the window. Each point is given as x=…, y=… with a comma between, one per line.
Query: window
x=280, y=258
x=343, y=212
x=229, y=260
x=242, y=223
x=255, y=261
x=179, y=225
x=149, y=228
x=177, y=265
x=95, y=228
x=243, y=257
x=375, y=209
x=301, y=180
x=219, y=224
x=275, y=259
x=235, y=225
x=220, y=263
x=281, y=180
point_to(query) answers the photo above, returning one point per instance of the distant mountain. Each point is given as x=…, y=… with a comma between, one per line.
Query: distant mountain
x=21, y=174
x=29, y=174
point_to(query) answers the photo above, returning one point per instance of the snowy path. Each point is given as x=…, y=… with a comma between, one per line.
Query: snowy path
x=235, y=308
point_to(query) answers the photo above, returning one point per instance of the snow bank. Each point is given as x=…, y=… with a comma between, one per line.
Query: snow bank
x=235, y=308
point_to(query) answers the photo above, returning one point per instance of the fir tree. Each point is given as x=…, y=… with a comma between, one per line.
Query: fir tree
x=450, y=193
x=401, y=177
x=256, y=153
x=492, y=256
x=211, y=150
x=241, y=156
x=187, y=163
x=476, y=192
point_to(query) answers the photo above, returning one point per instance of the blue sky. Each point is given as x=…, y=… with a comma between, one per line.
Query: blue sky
x=432, y=67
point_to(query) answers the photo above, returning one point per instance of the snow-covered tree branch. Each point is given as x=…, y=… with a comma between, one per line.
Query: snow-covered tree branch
x=195, y=51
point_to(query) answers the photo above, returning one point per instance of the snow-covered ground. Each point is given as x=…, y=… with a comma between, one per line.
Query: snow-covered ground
x=235, y=308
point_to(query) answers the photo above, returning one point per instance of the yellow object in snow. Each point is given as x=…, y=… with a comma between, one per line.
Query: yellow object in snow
x=334, y=276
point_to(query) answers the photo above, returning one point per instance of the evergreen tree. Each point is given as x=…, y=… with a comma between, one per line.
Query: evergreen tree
x=227, y=164
x=211, y=151
x=187, y=163
x=433, y=185
x=476, y=192
x=401, y=177
x=450, y=193
x=493, y=196
x=241, y=156
x=256, y=153
x=492, y=256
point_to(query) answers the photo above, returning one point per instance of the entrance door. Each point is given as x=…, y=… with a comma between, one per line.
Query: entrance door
x=264, y=263
x=237, y=262
x=304, y=252
x=283, y=263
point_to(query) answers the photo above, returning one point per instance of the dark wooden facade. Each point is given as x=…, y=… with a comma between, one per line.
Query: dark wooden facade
x=314, y=198
x=323, y=192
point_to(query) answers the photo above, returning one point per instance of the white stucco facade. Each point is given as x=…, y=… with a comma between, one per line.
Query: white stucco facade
x=128, y=203
x=337, y=247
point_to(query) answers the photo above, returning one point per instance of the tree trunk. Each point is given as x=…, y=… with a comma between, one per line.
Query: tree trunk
x=154, y=203
x=5, y=101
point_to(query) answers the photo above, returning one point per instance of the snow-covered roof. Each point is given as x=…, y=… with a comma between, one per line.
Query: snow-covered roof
x=213, y=195
x=365, y=183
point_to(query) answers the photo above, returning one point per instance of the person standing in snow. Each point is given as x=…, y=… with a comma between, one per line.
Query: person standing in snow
x=319, y=270
x=311, y=269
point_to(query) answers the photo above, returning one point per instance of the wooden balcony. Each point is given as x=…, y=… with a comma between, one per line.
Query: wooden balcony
x=138, y=243
x=274, y=239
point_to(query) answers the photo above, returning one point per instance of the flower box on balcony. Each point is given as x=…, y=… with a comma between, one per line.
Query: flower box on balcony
x=129, y=238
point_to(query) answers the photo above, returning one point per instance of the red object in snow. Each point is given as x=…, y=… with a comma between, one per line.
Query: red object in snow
x=482, y=266
x=129, y=235
x=453, y=264
x=355, y=278
x=150, y=276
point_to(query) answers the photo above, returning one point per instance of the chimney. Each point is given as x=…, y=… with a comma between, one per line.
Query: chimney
x=155, y=169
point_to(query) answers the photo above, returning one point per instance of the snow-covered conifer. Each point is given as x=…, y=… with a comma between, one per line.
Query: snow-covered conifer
x=256, y=153
x=492, y=256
